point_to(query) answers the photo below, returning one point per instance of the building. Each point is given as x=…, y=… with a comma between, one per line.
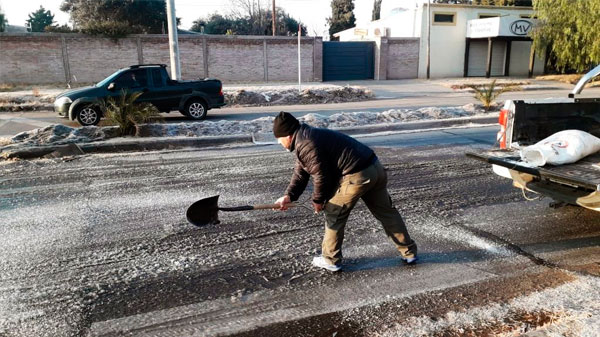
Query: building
x=458, y=40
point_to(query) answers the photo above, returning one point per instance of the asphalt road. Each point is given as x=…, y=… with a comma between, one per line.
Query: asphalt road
x=402, y=94
x=99, y=246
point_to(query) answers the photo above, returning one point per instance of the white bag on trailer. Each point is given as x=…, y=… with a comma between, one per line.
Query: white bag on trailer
x=563, y=147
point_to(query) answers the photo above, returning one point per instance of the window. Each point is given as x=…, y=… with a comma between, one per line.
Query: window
x=132, y=79
x=448, y=19
x=527, y=16
x=157, y=78
x=487, y=16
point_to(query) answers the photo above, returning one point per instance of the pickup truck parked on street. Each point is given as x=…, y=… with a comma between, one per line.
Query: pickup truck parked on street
x=191, y=98
x=526, y=122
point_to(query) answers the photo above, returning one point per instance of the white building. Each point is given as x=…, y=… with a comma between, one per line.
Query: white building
x=462, y=39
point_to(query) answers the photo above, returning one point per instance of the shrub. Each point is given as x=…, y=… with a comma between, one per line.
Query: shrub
x=125, y=113
x=487, y=94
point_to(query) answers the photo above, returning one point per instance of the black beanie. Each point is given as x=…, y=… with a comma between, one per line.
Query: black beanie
x=285, y=124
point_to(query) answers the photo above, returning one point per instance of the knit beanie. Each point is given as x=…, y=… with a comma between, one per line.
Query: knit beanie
x=285, y=124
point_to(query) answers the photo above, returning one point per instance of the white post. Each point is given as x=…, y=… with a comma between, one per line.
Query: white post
x=173, y=45
x=299, y=59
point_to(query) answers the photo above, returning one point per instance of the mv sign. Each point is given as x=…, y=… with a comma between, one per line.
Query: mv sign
x=520, y=27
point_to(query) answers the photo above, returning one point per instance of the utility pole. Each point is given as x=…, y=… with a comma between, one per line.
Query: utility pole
x=173, y=44
x=274, y=18
x=428, y=38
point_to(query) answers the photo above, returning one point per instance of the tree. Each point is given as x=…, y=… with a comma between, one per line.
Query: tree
x=246, y=24
x=3, y=21
x=527, y=3
x=342, y=16
x=40, y=19
x=376, y=10
x=117, y=16
x=569, y=31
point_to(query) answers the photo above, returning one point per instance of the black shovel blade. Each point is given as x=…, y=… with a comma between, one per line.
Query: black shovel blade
x=204, y=212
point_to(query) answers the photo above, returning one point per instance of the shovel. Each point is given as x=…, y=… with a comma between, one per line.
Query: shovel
x=206, y=211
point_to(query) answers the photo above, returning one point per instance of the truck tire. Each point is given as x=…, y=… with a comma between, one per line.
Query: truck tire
x=196, y=109
x=88, y=115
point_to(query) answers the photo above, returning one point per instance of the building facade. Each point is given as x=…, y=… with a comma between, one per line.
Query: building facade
x=459, y=40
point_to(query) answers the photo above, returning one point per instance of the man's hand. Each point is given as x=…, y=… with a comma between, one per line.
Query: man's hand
x=318, y=207
x=282, y=202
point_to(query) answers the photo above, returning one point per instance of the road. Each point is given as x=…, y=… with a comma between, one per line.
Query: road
x=401, y=94
x=99, y=246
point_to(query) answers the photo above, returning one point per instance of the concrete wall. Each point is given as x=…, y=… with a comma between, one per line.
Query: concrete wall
x=51, y=58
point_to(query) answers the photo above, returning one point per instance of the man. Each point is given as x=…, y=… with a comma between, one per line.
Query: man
x=343, y=170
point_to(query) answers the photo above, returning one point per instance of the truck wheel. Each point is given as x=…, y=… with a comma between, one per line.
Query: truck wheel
x=88, y=115
x=196, y=109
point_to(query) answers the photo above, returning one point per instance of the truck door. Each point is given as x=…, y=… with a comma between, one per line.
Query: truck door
x=164, y=97
x=132, y=81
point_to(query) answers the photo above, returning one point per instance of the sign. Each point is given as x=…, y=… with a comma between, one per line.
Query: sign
x=359, y=31
x=521, y=27
x=499, y=26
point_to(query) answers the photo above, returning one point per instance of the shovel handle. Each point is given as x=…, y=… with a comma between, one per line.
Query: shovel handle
x=273, y=206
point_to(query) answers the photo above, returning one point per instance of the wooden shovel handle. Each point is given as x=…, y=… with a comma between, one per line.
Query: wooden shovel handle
x=274, y=206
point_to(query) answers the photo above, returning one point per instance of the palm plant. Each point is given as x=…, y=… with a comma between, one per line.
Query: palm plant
x=487, y=94
x=124, y=112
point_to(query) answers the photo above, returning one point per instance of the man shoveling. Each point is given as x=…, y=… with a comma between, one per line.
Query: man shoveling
x=343, y=170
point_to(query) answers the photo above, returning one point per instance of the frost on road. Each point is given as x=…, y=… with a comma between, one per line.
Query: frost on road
x=99, y=246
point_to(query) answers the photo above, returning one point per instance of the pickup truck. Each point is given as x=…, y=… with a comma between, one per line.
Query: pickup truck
x=525, y=122
x=192, y=98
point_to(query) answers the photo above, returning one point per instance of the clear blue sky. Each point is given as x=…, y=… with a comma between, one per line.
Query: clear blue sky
x=312, y=13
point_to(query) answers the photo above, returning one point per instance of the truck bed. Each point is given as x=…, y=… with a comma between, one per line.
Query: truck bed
x=585, y=173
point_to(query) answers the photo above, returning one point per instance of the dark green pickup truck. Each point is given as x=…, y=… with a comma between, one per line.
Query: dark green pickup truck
x=191, y=98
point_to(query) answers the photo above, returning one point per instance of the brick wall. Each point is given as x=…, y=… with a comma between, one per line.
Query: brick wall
x=52, y=58
x=402, y=58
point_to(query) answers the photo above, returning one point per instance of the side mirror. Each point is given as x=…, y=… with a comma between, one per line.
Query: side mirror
x=111, y=86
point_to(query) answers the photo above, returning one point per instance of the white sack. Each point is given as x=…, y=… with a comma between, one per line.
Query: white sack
x=563, y=147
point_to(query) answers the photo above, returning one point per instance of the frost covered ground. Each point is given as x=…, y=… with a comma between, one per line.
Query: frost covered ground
x=61, y=134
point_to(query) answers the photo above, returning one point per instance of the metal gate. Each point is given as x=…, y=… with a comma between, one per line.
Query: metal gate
x=348, y=61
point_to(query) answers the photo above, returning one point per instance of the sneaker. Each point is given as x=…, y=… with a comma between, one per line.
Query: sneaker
x=321, y=262
x=410, y=260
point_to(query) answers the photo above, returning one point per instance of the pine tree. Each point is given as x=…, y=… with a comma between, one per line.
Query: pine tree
x=40, y=19
x=342, y=16
x=376, y=10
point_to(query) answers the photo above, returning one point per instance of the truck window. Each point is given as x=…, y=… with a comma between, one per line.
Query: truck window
x=157, y=78
x=132, y=79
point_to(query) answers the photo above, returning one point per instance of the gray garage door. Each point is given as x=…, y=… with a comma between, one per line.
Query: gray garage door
x=347, y=61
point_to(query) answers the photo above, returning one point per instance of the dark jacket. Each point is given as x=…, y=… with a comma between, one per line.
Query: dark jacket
x=326, y=156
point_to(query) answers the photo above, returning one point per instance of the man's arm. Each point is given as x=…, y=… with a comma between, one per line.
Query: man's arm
x=298, y=182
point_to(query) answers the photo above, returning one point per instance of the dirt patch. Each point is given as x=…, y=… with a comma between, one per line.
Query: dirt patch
x=569, y=79
x=517, y=322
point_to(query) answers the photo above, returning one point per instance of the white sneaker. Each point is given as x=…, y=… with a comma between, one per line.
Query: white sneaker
x=410, y=260
x=321, y=262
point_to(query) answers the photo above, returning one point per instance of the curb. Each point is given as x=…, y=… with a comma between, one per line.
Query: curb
x=166, y=143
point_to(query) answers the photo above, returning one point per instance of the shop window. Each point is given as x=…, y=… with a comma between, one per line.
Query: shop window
x=448, y=19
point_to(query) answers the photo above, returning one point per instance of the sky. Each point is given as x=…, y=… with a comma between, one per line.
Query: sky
x=311, y=13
